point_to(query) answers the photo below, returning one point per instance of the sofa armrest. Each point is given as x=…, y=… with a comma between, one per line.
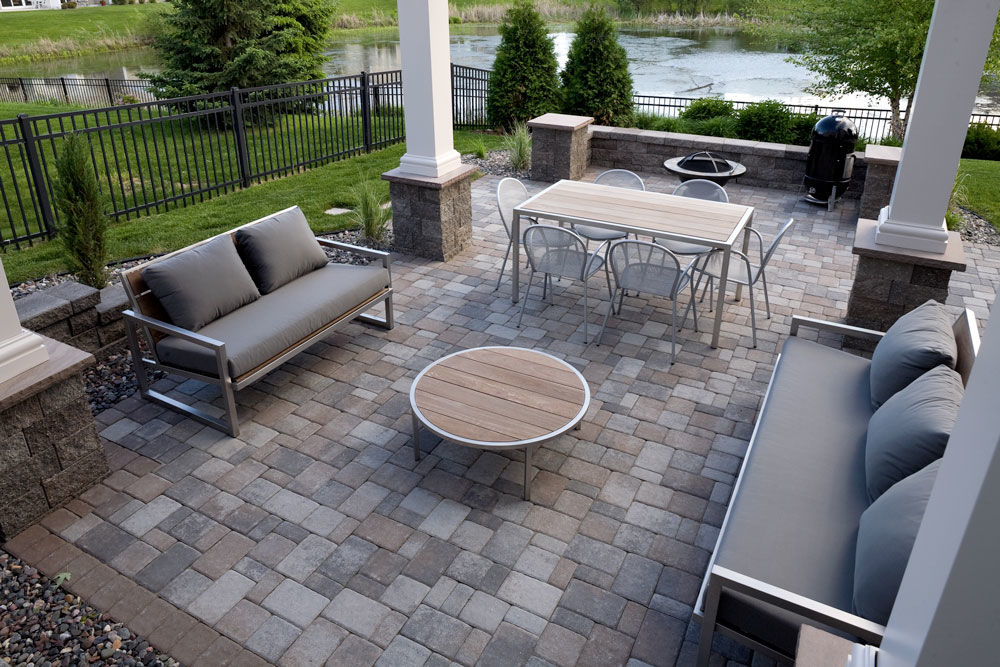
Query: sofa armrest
x=172, y=330
x=358, y=250
x=799, y=321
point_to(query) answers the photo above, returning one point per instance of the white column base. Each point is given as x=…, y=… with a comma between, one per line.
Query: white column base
x=911, y=236
x=430, y=166
x=21, y=353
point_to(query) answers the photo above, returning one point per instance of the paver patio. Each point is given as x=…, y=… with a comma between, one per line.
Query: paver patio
x=315, y=537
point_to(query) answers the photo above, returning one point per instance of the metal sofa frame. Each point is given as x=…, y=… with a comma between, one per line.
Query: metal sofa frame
x=147, y=321
x=718, y=579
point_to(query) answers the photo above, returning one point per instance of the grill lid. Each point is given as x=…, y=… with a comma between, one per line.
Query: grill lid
x=705, y=162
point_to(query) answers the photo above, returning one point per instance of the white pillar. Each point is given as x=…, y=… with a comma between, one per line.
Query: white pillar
x=959, y=36
x=20, y=349
x=425, y=51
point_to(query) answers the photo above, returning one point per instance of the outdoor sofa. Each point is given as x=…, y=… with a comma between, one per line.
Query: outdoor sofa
x=231, y=308
x=834, y=482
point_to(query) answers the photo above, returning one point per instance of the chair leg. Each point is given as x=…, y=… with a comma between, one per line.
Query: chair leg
x=673, y=330
x=524, y=302
x=767, y=302
x=611, y=307
x=586, y=310
x=753, y=314
x=503, y=267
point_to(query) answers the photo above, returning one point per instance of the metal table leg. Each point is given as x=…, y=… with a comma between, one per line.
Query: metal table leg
x=416, y=437
x=527, y=472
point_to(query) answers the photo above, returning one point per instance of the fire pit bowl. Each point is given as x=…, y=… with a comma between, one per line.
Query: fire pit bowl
x=704, y=165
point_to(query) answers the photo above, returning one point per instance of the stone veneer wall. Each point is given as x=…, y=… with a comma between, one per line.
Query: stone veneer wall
x=77, y=315
x=768, y=165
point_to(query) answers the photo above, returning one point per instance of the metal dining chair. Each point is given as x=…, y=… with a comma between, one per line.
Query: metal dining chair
x=510, y=193
x=650, y=268
x=556, y=251
x=618, y=178
x=742, y=271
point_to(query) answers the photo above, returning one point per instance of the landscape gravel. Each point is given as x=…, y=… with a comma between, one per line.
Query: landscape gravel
x=496, y=163
x=42, y=625
x=977, y=230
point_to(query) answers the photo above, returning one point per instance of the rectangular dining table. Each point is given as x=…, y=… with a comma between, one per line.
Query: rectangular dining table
x=651, y=214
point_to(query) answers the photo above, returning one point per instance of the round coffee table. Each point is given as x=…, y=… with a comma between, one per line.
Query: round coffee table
x=498, y=398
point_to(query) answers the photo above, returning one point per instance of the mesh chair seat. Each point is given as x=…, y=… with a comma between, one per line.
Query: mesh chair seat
x=567, y=262
x=598, y=233
x=683, y=247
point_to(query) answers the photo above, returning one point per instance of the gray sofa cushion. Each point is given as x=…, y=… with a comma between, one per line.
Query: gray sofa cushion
x=916, y=343
x=278, y=250
x=276, y=321
x=202, y=284
x=793, y=522
x=911, y=429
x=885, y=539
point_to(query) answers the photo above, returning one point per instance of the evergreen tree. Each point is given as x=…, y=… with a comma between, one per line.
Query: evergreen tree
x=524, y=82
x=82, y=204
x=596, y=79
x=213, y=45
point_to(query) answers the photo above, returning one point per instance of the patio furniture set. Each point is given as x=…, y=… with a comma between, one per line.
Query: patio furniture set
x=273, y=294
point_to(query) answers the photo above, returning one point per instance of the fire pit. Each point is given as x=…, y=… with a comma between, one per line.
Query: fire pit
x=705, y=165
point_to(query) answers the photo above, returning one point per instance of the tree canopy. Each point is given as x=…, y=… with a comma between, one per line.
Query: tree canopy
x=596, y=79
x=525, y=81
x=213, y=45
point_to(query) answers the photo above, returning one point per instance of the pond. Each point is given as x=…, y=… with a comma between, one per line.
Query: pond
x=676, y=62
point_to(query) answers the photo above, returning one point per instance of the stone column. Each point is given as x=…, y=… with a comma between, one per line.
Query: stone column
x=560, y=146
x=882, y=162
x=430, y=190
x=959, y=36
x=20, y=349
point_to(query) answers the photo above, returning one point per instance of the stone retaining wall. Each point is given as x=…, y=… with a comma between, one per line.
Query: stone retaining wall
x=77, y=315
x=768, y=165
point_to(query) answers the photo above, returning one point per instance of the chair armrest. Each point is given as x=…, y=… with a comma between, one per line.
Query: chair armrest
x=356, y=249
x=862, y=628
x=833, y=327
x=173, y=330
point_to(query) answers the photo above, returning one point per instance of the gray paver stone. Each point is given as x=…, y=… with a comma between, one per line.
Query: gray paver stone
x=294, y=602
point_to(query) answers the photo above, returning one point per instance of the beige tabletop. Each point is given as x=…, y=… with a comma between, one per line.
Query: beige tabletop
x=498, y=398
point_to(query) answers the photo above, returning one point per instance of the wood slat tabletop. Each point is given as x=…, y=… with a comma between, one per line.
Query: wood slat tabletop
x=499, y=395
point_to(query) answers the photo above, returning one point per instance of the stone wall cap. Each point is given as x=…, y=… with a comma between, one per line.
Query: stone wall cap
x=875, y=154
x=560, y=121
x=42, y=308
x=865, y=246
x=64, y=362
x=81, y=296
x=432, y=182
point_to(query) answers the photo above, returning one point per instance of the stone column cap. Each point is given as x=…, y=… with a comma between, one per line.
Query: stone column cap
x=397, y=175
x=875, y=154
x=865, y=246
x=64, y=361
x=560, y=121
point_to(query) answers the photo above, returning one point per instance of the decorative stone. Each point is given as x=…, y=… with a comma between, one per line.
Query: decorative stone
x=882, y=163
x=431, y=217
x=560, y=146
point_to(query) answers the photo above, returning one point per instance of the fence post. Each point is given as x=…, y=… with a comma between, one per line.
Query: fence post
x=111, y=98
x=366, y=113
x=37, y=174
x=62, y=80
x=24, y=88
x=240, y=133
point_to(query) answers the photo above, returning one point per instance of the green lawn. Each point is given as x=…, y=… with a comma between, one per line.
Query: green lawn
x=314, y=191
x=10, y=110
x=983, y=186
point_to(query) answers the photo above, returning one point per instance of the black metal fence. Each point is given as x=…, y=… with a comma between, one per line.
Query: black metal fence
x=469, y=87
x=152, y=156
x=75, y=90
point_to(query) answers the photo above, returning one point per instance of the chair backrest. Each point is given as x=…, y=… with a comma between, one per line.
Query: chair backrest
x=556, y=250
x=774, y=242
x=621, y=178
x=510, y=193
x=701, y=188
x=645, y=267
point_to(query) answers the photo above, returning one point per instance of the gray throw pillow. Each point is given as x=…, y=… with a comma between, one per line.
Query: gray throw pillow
x=885, y=539
x=279, y=249
x=202, y=284
x=911, y=429
x=916, y=343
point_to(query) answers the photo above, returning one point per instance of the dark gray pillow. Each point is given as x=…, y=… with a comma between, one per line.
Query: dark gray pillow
x=279, y=249
x=885, y=539
x=916, y=343
x=202, y=284
x=911, y=429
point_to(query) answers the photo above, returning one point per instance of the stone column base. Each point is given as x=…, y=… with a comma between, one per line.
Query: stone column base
x=560, y=146
x=431, y=217
x=51, y=451
x=882, y=163
x=890, y=282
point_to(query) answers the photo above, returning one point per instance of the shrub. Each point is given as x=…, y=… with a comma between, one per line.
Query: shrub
x=982, y=143
x=681, y=125
x=518, y=145
x=765, y=121
x=708, y=107
x=645, y=120
x=596, y=79
x=720, y=126
x=80, y=201
x=802, y=127
x=69, y=5
x=525, y=83
x=370, y=213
